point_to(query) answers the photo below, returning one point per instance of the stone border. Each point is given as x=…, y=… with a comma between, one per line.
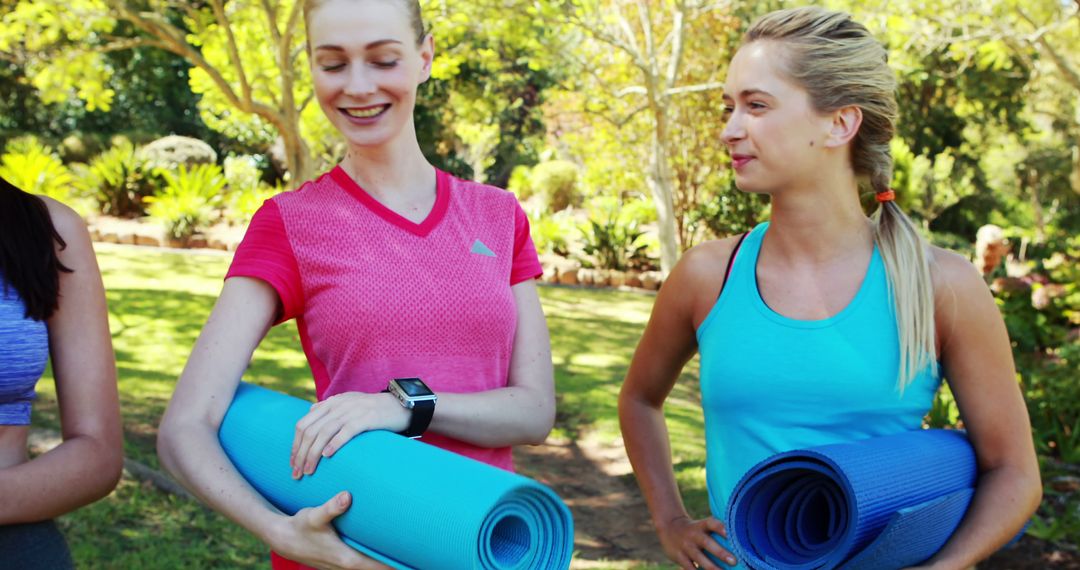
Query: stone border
x=557, y=270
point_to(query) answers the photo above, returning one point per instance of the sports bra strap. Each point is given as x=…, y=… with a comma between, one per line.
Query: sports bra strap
x=730, y=261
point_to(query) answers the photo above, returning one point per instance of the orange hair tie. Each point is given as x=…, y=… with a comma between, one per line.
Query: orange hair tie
x=886, y=196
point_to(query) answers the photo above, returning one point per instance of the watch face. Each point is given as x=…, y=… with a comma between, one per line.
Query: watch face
x=413, y=387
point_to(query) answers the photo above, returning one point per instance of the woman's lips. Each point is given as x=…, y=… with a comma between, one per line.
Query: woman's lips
x=364, y=114
x=740, y=160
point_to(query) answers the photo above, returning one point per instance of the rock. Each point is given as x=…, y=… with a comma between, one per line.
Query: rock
x=568, y=276
x=127, y=237
x=218, y=244
x=1002, y=285
x=198, y=240
x=1065, y=484
x=110, y=237
x=651, y=280
x=602, y=278
x=617, y=278
x=147, y=240
x=633, y=279
x=586, y=276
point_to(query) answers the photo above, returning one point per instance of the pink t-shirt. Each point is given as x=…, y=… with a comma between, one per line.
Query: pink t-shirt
x=377, y=296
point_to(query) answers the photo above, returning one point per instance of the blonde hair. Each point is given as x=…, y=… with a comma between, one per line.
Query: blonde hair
x=412, y=7
x=840, y=64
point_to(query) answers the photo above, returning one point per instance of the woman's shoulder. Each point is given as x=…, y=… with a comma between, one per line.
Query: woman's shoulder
x=960, y=294
x=951, y=271
x=479, y=189
x=702, y=267
x=67, y=222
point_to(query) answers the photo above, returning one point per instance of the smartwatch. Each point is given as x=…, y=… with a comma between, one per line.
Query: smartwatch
x=416, y=396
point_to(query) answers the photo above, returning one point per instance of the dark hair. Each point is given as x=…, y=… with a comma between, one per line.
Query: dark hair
x=28, y=259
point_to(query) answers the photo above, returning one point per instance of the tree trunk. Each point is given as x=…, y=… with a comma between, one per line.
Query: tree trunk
x=297, y=156
x=1036, y=206
x=659, y=180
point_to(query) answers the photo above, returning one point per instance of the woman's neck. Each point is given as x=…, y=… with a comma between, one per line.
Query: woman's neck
x=819, y=223
x=392, y=173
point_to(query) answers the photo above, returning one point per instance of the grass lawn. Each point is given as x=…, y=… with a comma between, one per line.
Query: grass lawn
x=159, y=300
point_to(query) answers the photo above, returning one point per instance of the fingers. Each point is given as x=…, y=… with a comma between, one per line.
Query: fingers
x=716, y=526
x=348, y=431
x=325, y=513
x=303, y=427
x=712, y=546
x=694, y=543
x=312, y=440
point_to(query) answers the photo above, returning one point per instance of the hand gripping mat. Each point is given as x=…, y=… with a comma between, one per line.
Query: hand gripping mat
x=876, y=504
x=414, y=505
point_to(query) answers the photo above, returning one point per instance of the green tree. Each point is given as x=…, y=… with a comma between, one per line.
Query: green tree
x=246, y=56
x=632, y=63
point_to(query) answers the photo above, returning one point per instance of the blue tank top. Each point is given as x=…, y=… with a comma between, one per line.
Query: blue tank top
x=24, y=352
x=771, y=384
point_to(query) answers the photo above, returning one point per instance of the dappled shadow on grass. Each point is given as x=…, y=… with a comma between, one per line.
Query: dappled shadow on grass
x=138, y=526
x=153, y=334
x=593, y=336
x=122, y=265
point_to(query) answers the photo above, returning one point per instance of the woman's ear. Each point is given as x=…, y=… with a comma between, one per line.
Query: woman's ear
x=427, y=55
x=845, y=125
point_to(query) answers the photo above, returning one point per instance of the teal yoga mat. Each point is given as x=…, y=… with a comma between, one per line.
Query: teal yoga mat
x=414, y=505
x=877, y=504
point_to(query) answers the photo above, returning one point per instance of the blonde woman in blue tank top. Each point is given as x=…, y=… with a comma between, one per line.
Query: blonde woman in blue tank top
x=830, y=326
x=52, y=306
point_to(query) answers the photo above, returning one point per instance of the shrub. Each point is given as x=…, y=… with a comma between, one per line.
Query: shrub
x=35, y=168
x=519, y=182
x=80, y=147
x=549, y=233
x=174, y=151
x=189, y=200
x=119, y=181
x=556, y=181
x=244, y=204
x=242, y=173
x=612, y=237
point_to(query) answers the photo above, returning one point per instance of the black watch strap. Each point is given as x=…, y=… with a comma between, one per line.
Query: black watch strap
x=421, y=418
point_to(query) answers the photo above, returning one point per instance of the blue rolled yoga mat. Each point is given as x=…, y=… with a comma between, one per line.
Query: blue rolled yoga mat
x=881, y=503
x=414, y=505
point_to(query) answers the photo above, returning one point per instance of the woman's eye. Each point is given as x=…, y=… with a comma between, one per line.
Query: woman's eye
x=385, y=64
x=333, y=67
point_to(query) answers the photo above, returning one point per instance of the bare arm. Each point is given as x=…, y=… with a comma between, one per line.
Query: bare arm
x=188, y=444
x=666, y=346
x=977, y=360
x=521, y=413
x=87, y=465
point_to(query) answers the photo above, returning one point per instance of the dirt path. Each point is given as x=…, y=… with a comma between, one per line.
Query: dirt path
x=611, y=523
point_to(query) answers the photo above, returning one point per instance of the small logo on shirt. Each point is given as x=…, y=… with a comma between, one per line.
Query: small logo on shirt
x=479, y=248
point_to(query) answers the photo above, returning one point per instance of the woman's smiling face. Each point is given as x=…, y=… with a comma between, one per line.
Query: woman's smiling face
x=366, y=64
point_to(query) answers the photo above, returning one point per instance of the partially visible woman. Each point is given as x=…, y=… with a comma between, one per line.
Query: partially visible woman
x=52, y=305
x=823, y=325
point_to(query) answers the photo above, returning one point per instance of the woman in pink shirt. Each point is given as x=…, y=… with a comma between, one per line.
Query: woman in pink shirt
x=392, y=269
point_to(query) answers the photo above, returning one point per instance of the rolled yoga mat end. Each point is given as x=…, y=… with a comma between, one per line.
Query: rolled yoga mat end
x=414, y=505
x=876, y=504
